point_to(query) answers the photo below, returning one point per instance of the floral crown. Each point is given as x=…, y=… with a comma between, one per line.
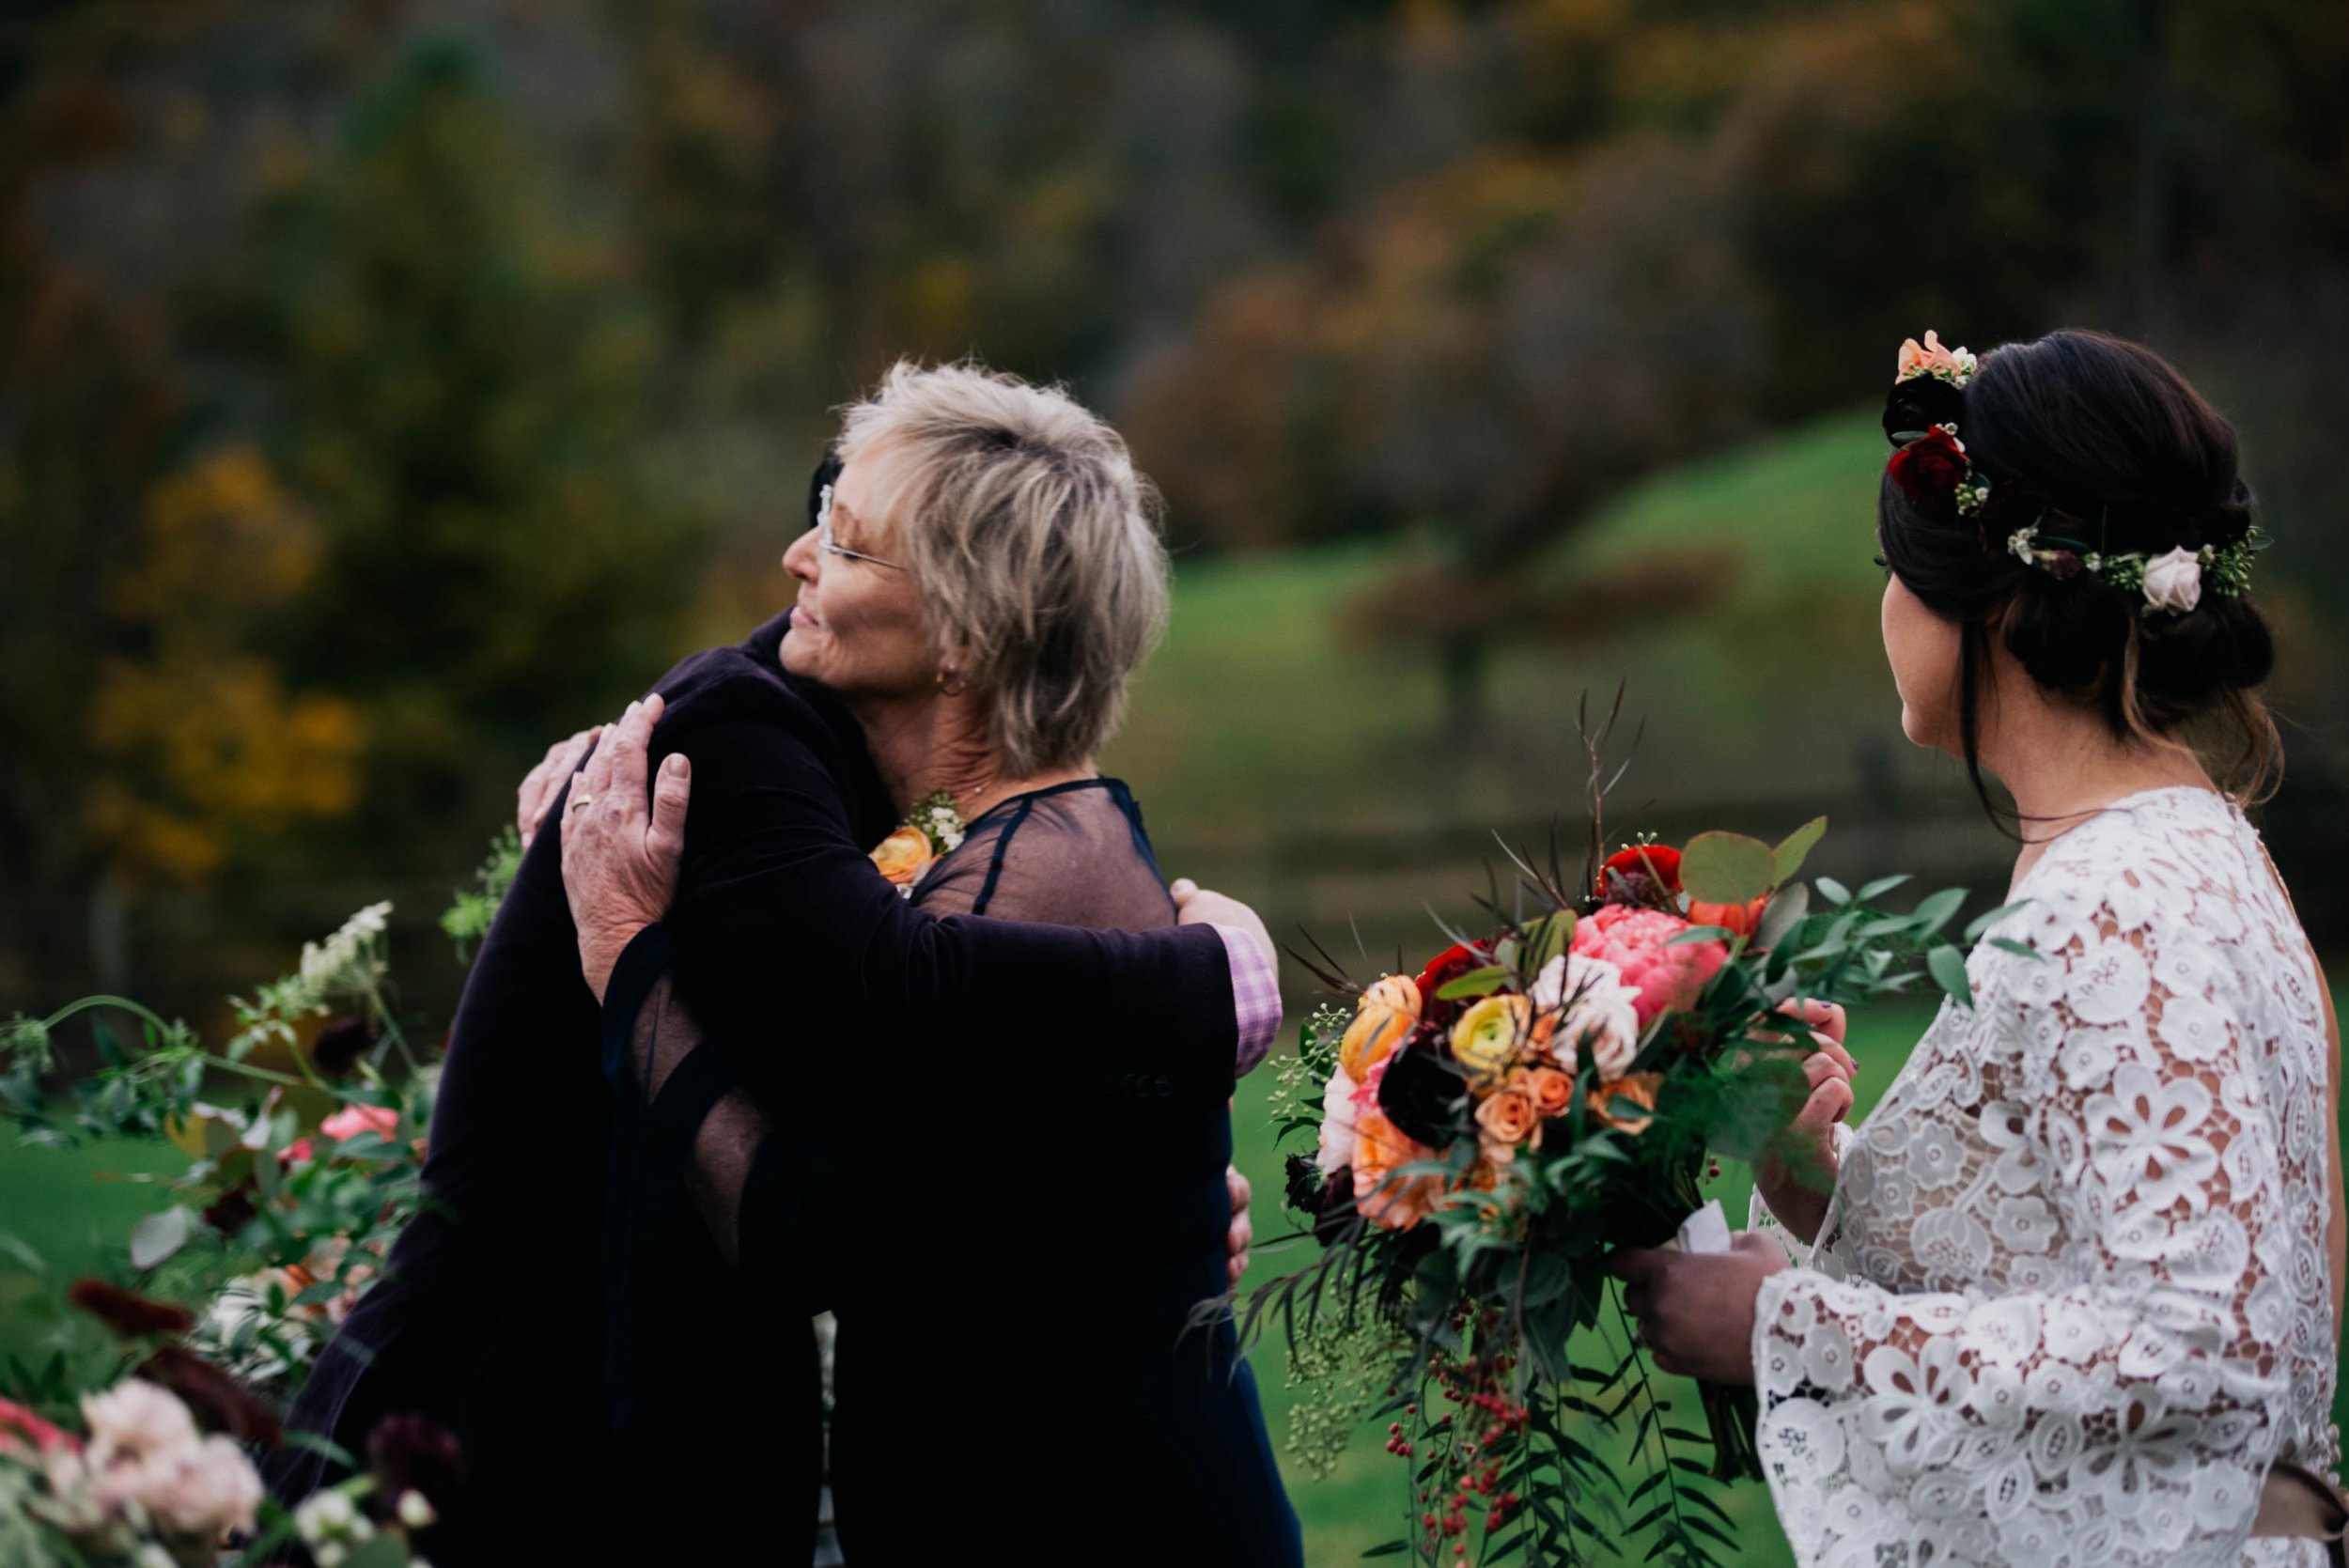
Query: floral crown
x=1923, y=416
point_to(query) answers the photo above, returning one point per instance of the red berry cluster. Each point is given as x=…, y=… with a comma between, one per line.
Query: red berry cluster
x=1489, y=1422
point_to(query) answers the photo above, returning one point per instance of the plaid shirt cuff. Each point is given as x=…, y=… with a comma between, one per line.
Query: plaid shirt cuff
x=1255, y=995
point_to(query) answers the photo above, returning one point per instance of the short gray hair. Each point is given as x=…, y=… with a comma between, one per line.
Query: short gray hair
x=1035, y=542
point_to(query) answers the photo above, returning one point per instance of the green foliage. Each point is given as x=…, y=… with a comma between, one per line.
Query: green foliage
x=466, y=921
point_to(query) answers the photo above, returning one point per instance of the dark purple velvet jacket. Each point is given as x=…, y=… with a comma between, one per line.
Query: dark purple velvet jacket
x=491, y=1318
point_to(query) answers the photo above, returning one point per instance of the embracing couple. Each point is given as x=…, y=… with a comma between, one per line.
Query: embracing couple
x=714, y=1073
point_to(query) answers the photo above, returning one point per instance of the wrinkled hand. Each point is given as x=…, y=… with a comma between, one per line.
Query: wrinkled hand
x=1696, y=1309
x=544, y=783
x=619, y=857
x=1242, y=1235
x=1197, y=905
x=1797, y=1181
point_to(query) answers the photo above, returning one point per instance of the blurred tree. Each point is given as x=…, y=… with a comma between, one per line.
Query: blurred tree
x=202, y=748
x=462, y=398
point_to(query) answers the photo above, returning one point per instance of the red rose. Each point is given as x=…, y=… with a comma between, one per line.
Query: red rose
x=1644, y=873
x=1448, y=965
x=1929, y=469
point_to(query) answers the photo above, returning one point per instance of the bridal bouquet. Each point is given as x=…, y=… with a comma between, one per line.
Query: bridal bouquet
x=1490, y=1127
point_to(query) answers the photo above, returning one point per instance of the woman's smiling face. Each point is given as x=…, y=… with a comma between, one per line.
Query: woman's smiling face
x=857, y=628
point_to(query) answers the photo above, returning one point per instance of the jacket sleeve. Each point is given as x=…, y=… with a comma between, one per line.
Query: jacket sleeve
x=782, y=921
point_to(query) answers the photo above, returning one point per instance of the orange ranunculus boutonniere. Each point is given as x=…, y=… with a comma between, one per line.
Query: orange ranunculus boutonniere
x=903, y=855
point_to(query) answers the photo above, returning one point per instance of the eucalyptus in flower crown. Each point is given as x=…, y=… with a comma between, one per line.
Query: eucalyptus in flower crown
x=1923, y=415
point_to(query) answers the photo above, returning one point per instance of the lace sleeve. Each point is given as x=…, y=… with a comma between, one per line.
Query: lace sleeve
x=2099, y=1163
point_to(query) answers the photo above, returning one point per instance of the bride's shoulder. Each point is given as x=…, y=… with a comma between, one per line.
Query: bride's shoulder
x=2172, y=873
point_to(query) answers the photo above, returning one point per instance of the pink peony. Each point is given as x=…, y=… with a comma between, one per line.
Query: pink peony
x=353, y=1120
x=1665, y=978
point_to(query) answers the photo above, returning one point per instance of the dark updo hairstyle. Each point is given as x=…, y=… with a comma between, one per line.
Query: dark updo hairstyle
x=2100, y=441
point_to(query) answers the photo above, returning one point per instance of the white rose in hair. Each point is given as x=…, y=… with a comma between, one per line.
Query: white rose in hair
x=2174, y=582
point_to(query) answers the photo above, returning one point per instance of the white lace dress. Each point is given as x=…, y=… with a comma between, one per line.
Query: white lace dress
x=2071, y=1298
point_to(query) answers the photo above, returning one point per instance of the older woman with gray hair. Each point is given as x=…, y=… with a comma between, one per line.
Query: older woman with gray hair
x=984, y=574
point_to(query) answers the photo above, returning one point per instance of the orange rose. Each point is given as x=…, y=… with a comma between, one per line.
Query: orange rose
x=1741, y=919
x=902, y=856
x=1639, y=1088
x=1383, y=1015
x=1507, y=1119
x=1379, y=1147
x=1551, y=1090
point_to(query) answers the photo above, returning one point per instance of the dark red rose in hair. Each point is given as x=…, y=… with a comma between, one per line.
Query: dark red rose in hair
x=1645, y=874
x=1929, y=469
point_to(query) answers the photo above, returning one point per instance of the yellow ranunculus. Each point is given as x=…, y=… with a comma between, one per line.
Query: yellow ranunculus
x=902, y=856
x=1487, y=1033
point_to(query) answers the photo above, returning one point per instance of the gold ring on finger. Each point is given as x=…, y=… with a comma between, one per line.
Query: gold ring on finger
x=581, y=802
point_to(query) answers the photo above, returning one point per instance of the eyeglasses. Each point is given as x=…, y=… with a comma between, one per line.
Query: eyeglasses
x=824, y=540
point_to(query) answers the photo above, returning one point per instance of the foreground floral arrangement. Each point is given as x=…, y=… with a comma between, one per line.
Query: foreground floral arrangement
x=135, y=1441
x=1488, y=1129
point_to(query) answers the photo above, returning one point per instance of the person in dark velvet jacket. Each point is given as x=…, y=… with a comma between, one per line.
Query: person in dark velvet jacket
x=985, y=579
x=491, y=1317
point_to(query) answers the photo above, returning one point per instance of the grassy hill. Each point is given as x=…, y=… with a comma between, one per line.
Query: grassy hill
x=1263, y=711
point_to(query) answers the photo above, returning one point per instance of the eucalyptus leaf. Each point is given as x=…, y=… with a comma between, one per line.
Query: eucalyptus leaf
x=1833, y=890
x=1784, y=913
x=158, y=1236
x=1548, y=937
x=1935, y=911
x=1727, y=868
x=1796, y=849
x=1702, y=934
x=1476, y=983
x=2020, y=949
x=1984, y=922
x=1948, y=971
x=1881, y=885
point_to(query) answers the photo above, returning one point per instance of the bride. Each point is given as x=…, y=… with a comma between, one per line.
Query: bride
x=2076, y=1296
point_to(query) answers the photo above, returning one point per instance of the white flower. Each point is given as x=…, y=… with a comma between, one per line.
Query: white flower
x=323, y=1516
x=2173, y=582
x=1337, y=1124
x=203, y=1490
x=415, y=1510
x=1600, y=1012
x=346, y=960
x=135, y=1420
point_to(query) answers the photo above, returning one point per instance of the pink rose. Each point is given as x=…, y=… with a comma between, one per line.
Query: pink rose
x=353, y=1120
x=1665, y=978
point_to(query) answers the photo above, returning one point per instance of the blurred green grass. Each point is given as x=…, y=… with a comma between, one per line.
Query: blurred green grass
x=1263, y=709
